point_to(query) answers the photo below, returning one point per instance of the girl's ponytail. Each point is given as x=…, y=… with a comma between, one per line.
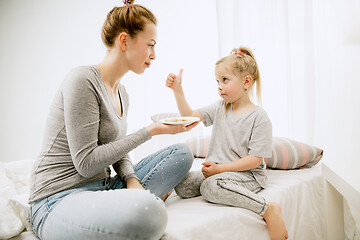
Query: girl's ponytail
x=250, y=65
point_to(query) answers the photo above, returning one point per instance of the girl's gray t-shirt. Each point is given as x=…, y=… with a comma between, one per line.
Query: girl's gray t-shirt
x=234, y=137
x=83, y=136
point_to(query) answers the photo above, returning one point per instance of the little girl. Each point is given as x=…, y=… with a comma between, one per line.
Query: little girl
x=234, y=170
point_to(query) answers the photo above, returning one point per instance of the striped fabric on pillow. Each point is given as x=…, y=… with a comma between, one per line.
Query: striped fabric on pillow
x=290, y=154
x=159, y=116
x=286, y=153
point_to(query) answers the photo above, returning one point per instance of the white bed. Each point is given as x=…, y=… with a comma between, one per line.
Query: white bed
x=299, y=192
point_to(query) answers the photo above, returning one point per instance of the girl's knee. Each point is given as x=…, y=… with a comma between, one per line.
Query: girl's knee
x=209, y=189
x=181, y=188
x=190, y=186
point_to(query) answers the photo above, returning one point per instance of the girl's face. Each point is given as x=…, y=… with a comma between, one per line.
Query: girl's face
x=231, y=87
x=141, y=49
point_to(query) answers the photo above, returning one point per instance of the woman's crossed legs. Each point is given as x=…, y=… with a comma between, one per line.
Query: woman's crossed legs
x=95, y=212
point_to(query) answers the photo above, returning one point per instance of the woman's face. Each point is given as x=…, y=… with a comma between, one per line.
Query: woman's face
x=141, y=49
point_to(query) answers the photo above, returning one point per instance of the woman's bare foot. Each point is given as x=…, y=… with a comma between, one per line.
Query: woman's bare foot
x=166, y=196
x=275, y=222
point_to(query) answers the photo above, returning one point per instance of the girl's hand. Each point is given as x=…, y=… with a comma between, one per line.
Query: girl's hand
x=159, y=128
x=209, y=169
x=174, y=81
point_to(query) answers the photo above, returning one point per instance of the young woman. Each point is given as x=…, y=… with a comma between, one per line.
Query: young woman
x=72, y=194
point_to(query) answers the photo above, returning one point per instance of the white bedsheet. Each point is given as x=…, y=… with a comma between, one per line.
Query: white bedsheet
x=299, y=192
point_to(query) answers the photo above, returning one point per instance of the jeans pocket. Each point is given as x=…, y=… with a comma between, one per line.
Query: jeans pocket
x=37, y=212
x=41, y=208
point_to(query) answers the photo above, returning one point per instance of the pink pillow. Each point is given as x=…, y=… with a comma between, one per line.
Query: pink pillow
x=286, y=153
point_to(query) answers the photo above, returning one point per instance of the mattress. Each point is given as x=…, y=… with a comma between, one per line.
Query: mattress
x=299, y=192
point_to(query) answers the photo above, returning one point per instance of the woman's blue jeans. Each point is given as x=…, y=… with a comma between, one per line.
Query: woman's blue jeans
x=108, y=210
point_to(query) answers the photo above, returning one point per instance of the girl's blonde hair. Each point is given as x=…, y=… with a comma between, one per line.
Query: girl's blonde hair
x=130, y=18
x=243, y=62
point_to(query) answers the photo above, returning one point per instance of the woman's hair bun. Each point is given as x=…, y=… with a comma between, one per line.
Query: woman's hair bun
x=128, y=2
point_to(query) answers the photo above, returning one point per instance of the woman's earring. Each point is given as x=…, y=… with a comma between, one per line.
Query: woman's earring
x=245, y=89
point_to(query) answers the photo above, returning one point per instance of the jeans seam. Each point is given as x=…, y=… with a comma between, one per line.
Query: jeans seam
x=155, y=169
x=172, y=148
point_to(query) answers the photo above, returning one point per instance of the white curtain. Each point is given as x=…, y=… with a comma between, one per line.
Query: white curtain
x=281, y=35
x=308, y=55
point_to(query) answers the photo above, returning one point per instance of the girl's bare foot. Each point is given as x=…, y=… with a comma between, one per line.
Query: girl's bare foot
x=275, y=222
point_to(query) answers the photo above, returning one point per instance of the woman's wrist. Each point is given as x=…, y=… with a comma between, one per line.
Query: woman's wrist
x=132, y=180
x=152, y=129
x=134, y=183
x=155, y=129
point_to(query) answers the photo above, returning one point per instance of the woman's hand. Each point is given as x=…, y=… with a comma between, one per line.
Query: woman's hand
x=174, y=81
x=134, y=183
x=159, y=128
x=210, y=168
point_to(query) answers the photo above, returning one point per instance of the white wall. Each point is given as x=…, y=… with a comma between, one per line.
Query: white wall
x=338, y=86
x=42, y=40
x=337, y=122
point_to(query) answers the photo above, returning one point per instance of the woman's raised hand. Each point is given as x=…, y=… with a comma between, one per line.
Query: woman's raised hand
x=173, y=81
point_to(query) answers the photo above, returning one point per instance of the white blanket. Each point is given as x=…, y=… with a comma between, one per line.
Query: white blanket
x=14, y=187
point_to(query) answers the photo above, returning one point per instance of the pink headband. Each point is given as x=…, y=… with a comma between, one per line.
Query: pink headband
x=239, y=52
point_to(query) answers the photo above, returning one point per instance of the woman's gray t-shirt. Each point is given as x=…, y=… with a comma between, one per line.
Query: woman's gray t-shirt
x=234, y=137
x=83, y=136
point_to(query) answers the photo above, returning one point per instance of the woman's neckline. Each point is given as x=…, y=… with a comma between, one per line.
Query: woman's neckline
x=107, y=94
